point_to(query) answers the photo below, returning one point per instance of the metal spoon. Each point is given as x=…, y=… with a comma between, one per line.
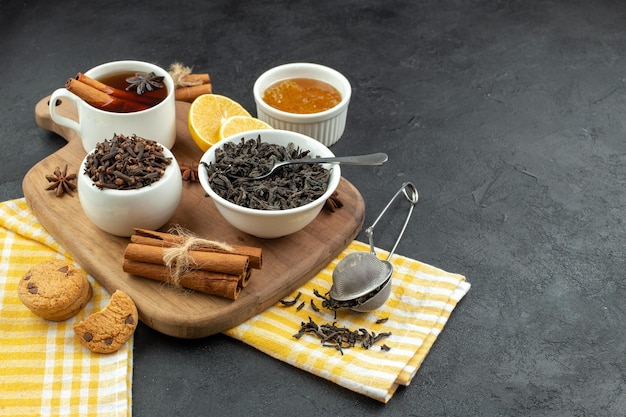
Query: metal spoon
x=370, y=159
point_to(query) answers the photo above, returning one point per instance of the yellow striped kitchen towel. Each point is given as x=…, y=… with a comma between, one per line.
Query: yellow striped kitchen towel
x=44, y=371
x=67, y=379
x=422, y=299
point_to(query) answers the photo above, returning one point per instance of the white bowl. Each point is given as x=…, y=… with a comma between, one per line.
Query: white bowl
x=270, y=224
x=119, y=211
x=326, y=126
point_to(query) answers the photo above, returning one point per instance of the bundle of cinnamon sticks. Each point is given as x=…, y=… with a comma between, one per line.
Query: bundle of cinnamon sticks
x=221, y=270
x=190, y=86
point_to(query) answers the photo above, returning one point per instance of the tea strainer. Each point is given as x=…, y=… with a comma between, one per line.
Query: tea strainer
x=362, y=281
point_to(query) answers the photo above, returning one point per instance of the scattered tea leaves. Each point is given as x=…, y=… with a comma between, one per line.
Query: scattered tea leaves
x=291, y=302
x=341, y=338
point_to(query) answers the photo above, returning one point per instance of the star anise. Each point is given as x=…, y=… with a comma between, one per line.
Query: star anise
x=333, y=202
x=143, y=81
x=61, y=182
x=190, y=172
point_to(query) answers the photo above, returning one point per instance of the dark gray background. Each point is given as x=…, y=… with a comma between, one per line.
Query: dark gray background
x=507, y=115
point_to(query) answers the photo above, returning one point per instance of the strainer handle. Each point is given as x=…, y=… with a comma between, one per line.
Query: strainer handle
x=410, y=193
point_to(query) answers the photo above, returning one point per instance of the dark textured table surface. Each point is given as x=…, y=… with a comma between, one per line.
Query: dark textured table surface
x=509, y=116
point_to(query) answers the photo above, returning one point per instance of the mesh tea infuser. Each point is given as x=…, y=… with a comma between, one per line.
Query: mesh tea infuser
x=361, y=281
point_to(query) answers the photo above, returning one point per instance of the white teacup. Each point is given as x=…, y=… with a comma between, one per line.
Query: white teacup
x=94, y=125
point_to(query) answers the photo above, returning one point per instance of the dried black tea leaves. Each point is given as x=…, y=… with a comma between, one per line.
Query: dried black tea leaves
x=291, y=302
x=289, y=187
x=340, y=338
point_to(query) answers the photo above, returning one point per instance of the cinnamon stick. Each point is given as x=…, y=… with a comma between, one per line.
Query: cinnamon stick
x=116, y=92
x=196, y=79
x=208, y=261
x=102, y=100
x=244, y=279
x=219, y=284
x=189, y=94
x=156, y=238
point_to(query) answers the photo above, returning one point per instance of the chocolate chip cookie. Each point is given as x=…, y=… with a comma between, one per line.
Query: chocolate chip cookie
x=107, y=330
x=55, y=289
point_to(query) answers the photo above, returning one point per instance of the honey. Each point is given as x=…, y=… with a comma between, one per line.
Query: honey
x=302, y=96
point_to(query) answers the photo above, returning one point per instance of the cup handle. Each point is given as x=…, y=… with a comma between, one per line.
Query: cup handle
x=56, y=117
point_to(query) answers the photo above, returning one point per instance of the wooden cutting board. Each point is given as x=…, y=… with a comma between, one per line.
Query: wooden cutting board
x=288, y=262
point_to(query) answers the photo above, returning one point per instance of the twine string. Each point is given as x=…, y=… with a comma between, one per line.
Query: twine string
x=178, y=258
x=178, y=72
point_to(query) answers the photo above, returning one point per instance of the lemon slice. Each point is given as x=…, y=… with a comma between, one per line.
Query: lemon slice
x=207, y=114
x=238, y=124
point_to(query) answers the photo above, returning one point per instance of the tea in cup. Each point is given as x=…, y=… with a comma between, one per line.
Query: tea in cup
x=120, y=97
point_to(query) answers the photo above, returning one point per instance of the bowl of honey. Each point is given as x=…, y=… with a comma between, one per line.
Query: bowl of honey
x=307, y=98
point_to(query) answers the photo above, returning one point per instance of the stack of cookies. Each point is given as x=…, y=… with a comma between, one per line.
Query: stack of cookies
x=55, y=290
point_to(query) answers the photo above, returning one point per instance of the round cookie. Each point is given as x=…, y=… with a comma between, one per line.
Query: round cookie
x=55, y=289
x=107, y=330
